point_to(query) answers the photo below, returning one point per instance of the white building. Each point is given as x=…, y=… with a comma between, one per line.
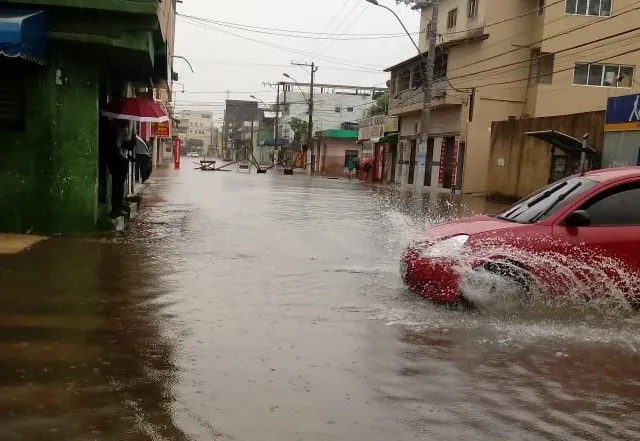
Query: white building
x=334, y=105
x=200, y=127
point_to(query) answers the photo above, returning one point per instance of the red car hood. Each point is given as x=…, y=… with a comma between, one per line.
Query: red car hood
x=471, y=226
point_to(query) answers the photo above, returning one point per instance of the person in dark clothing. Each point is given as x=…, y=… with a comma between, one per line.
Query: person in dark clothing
x=117, y=141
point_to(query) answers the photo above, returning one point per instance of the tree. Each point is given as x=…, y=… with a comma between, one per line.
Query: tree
x=300, y=129
x=381, y=106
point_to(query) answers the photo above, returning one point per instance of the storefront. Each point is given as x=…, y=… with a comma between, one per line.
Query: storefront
x=378, y=137
x=622, y=132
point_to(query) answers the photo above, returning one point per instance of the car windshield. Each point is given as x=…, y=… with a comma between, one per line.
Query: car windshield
x=547, y=201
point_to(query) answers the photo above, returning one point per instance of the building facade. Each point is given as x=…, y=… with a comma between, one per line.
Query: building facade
x=507, y=60
x=334, y=105
x=196, y=132
x=241, y=120
x=66, y=59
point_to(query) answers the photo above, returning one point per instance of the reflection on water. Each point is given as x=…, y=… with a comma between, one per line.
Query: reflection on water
x=85, y=350
x=246, y=307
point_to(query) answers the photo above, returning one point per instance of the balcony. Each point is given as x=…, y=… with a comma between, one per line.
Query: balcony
x=411, y=100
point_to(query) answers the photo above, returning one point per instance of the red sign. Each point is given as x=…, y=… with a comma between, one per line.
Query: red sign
x=163, y=129
x=176, y=153
x=452, y=166
x=443, y=153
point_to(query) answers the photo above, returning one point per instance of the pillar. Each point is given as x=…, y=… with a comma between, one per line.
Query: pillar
x=73, y=198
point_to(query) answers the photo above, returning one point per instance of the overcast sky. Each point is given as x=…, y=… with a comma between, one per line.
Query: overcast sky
x=242, y=62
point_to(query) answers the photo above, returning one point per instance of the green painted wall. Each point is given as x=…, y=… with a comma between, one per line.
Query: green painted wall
x=48, y=173
x=73, y=199
x=25, y=164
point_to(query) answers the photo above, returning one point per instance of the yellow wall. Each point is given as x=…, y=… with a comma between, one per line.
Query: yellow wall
x=478, y=142
x=526, y=159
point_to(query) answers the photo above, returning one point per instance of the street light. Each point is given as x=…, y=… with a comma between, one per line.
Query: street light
x=375, y=3
x=258, y=99
x=429, y=61
x=286, y=75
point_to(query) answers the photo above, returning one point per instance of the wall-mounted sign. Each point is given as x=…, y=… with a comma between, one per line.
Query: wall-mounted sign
x=163, y=130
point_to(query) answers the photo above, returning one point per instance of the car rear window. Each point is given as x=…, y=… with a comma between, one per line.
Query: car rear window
x=547, y=201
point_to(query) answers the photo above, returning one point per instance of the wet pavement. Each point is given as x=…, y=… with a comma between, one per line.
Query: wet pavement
x=269, y=307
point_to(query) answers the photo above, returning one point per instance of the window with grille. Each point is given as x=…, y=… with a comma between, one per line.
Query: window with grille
x=452, y=18
x=405, y=80
x=12, y=95
x=541, y=67
x=603, y=75
x=598, y=8
x=472, y=9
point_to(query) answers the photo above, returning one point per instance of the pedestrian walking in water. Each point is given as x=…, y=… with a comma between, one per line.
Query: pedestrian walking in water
x=350, y=168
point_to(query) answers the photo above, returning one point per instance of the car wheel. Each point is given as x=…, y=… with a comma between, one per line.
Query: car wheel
x=497, y=285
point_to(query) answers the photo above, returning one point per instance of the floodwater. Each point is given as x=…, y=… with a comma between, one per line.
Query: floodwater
x=269, y=308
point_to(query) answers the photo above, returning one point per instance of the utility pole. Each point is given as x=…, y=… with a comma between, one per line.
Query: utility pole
x=314, y=69
x=432, y=31
x=275, y=128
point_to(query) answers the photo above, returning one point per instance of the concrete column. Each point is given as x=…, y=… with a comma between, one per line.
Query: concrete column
x=73, y=198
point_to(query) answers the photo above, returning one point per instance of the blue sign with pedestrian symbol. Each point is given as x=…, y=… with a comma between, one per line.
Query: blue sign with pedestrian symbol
x=623, y=113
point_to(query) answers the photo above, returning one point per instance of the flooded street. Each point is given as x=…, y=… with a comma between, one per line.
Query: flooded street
x=270, y=308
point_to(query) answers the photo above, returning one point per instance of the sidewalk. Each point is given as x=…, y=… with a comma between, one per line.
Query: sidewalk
x=15, y=243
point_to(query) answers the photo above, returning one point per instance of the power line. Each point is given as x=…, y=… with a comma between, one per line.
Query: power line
x=291, y=34
x=578, y=46
x=288, y=49
x=535, y=43
x=561, y=70
x=239, y=63
x=524, y=14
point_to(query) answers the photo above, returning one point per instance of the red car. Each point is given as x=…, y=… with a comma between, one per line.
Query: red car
x=579, y=236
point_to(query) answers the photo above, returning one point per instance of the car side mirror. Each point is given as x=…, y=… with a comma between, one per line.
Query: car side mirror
x=579, y=218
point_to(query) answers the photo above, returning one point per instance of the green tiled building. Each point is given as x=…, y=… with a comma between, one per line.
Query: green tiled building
x=60, y=61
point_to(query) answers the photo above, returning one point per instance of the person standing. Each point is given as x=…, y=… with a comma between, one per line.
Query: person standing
x=118, y=142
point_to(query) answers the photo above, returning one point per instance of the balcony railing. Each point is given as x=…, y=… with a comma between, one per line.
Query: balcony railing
x=412, y=99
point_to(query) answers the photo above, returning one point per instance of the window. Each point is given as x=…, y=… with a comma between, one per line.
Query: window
x=441, y=64
x=598, y=8
x=12, y=95
x=547, y=201
x=338, y=109
x=452, y=18
x=604, y=75
x=405, y=80
x=541, y=68
x=472, y=9
x=416, y=78
x=619, y=206
x=350, y=109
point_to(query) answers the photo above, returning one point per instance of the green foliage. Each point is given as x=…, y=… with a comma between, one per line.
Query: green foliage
x=300, y=129
x=381, y=106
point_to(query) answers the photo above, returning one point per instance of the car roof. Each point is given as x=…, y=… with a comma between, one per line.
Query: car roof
x=612, y=174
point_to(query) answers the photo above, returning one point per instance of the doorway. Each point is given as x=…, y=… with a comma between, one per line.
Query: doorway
x=459, y=173
x=427, y=163
x=448, y=162
x=412, y=161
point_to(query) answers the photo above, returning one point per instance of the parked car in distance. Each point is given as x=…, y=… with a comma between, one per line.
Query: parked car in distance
x=580, y=235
